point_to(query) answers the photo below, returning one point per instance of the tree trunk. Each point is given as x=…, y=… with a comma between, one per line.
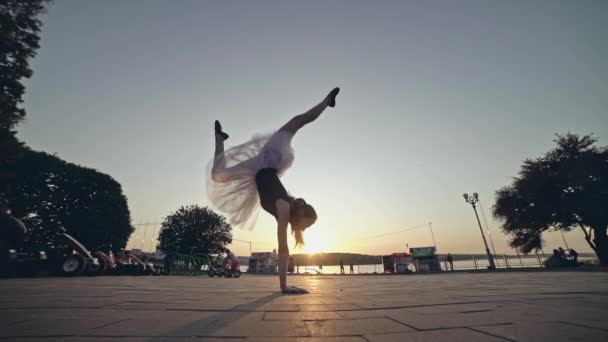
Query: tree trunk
x=600, y=240
x=588, y=238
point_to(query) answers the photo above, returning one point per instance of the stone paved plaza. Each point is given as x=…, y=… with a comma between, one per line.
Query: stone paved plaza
x=517, y=306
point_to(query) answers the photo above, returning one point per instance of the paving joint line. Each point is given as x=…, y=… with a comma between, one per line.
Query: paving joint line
x=183, y=336
x=144, y=302
x=22, y=321
x=237, y=310
x=402, y=323
x=108, y=324
x=454, y=327
x=329, y=319
x=490, y=334
x=308, y=334
x=582, y=325
x=53, y=307
x=143, y=336
x=553, y=298
x=35, y=336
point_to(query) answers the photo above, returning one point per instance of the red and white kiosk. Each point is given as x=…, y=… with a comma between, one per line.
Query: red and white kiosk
x=397, y=263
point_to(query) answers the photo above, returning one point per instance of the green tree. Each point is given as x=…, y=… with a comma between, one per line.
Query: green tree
x=19, y=41
x=54, y=196
x=50, y=194
x=565, y=189
x=194, y=230
x=11, y=150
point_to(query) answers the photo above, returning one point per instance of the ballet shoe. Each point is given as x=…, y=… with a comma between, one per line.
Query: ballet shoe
x=332, y=97
x=218, y=130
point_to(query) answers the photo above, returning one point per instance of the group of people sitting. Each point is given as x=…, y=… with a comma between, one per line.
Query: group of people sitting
x=561, y=253
x=562, y=258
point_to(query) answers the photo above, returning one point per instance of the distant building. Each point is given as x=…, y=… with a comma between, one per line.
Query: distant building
x=263, y=262
x=267, y=262
x=397, y=263
x=425, y=259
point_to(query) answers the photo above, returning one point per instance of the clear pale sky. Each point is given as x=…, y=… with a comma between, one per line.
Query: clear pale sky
x=438, y=98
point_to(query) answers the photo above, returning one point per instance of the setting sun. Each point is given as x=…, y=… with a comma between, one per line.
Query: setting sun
x=316, y=242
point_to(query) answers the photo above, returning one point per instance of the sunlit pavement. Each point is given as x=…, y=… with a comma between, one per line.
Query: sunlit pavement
x=522, y=306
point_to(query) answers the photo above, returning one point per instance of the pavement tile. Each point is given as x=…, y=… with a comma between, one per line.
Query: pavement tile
x=472, y=306
x=150, y=326
x=215, y=306
x=351, y=327
x=11, y=317
x=450, y=320
x=308, y=339
x=268, y=307
x=258, y=328
x=141, y=306
x=444, y=335
x=413, y=302
x=179, y=324
x=104, y=314
x=367, y=313
x=597, y=322
x=302, y=316
x=328, y=307
x=54, y=326
x=334, y=300
x=545, y=332
x=130, y=339
x=37, y=303
x=465, y=308
x=307, y=299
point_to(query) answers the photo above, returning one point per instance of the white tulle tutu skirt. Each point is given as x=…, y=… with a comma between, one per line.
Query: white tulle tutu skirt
x=231, y=184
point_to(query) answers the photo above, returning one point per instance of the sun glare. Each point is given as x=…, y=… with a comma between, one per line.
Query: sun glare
x=315, y=242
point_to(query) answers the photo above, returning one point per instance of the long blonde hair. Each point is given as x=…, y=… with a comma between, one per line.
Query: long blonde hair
x=308, y=218
x=299, y=235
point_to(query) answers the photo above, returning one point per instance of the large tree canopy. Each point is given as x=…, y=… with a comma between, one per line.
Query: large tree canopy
x=194, y=230
x=565, y=189
x=54, y=196
x=49, y=194
x=11, y=149
x=19, y=41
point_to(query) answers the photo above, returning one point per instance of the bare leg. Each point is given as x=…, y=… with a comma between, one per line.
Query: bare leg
x=312, y=114
x=219, y=162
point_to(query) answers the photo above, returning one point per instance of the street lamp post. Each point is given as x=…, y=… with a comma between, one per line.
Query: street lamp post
x=433, y=236
x=249, y=242
x=472, y=200
x=487, y=228
x=564, y=238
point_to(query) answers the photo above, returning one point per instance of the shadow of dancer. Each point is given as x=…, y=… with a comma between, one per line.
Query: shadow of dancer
x=221, y=319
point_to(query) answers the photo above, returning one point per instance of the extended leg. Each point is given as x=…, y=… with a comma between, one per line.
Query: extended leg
x=312, y=114
x=219, y=162
x=219, y=172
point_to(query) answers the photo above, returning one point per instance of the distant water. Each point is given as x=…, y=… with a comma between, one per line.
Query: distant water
x=512, y=262
x=363, y=269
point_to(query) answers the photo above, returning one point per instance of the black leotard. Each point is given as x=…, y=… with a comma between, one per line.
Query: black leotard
x=270, y=190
